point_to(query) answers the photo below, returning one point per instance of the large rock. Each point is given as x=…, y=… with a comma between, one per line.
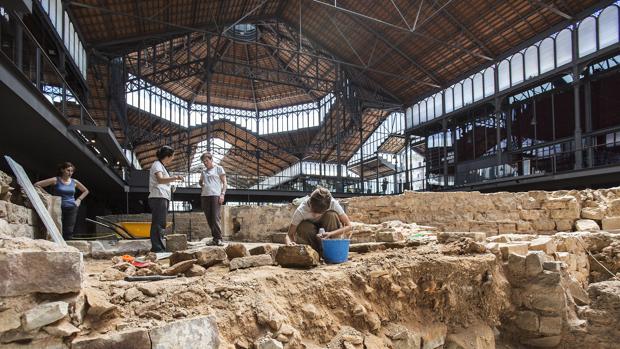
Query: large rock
x=389, y=236
x=516, y=248
x=82, y=246
x=30, y=266
x=527, y=320
x=179, y=268
x=134, y=339
x=545, y=244
x=269, y=343
x=586, y=225
x=9, y=320
x=534, y=263
x=98, y=303
x=402, y=338
x=132, y=247
x=197, y=333
x=596, y=213
x=204, y=256
x=44, y=314
x=262, y=249
x=299, y=256
x=611, y=223
x=210, y=255
x=236, y=250
x=63, y=328
x=251, y=261
x=176, y=242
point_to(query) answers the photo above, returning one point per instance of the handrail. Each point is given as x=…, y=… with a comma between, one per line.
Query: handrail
x=59, y=75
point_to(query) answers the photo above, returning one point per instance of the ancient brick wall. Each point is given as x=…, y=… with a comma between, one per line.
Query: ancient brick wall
x=19, y=220
x=526, y=212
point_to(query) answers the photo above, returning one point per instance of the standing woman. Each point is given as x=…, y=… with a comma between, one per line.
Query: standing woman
x=213, y=183
x=64, y=186
x=160, y=195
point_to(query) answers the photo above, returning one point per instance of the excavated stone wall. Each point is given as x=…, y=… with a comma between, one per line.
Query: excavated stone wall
x=531, y=212
x=17, y=217
x=497, y=213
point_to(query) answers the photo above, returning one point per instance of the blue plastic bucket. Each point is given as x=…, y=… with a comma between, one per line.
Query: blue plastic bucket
x=336, y=251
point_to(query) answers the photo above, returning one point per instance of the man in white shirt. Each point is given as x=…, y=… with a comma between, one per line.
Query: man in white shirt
x=319, y=210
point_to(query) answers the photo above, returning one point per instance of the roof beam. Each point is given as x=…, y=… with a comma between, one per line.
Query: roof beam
x=463, y=29
x=395, y=48
x=411, y=32
x=553, y=9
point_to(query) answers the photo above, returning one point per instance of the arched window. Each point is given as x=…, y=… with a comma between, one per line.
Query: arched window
x=416, y=114
x=430, y=109
x=423, y=118
x=531, y=62
x=468, y=97
x=563, y=47
x=438, y=104
x=504, y=75
x=489, y=81
x=587, y=36
x=608, y=27
x=478, y=87
x=409, y=117
x=449, y=98
x=516, y=69
x=547, y=58
x=458, y=96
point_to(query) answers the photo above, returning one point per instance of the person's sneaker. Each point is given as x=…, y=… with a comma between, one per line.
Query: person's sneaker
x=216, y=243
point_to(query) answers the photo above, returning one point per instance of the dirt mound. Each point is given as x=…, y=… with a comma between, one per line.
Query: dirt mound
x=405, y=286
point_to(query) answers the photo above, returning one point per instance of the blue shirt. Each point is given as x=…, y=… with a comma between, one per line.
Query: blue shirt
x=66, y=192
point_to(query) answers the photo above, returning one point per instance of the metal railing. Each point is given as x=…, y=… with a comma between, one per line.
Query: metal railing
x=19, y=46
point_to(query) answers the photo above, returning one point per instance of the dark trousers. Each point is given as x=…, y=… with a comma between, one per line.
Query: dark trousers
x=307, y=230
x=159, y=212
x=69, y=216
x=211, y=207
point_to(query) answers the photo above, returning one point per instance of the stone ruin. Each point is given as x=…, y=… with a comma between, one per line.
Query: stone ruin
x=426, y=270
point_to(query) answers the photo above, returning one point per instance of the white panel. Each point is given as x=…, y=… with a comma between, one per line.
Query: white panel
x=516, y=69
x=489, y=81
x=547, y=55
x=458, y=96
x=416, y=114
x=430, y=109
x=467, y=91
x=449, y=98
x=587, y=36
x=608, y=27
x=563, y=47
x=478, y=88
x=504, y=75
x=531, y=62
x=438, y=105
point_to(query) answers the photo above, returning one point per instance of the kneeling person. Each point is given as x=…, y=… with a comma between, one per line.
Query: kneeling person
x=319, y=210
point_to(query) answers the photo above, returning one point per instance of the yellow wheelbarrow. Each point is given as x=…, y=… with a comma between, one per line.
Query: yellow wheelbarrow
x=127, y=230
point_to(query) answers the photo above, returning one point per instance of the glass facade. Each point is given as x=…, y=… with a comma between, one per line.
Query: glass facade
x=594, y=33
x=66, y=32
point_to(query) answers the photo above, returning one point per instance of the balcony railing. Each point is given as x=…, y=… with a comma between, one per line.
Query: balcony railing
x=19, y=45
